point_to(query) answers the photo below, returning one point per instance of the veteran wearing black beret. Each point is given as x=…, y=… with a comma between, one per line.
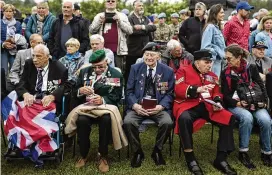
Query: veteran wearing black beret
x=97, y=84
x=149, y=82
x=197, y=100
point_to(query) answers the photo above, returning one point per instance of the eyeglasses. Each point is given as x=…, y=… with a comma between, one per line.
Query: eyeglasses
x=110, y=1
x=98, y=67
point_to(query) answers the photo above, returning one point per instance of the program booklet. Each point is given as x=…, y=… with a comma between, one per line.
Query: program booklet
x=149, y=103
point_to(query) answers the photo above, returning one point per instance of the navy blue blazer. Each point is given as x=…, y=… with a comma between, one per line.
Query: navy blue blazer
x=164, y=83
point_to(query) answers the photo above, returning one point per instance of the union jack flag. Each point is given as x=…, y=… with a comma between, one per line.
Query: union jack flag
x=29, y=127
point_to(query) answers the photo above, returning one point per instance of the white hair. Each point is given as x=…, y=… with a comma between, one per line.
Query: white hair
x=97, y=36
x=264, y=11
x=42, y=47
x=69, y=2
x=172, y=44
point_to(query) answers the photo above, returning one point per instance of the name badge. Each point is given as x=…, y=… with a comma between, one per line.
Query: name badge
x=206, y=94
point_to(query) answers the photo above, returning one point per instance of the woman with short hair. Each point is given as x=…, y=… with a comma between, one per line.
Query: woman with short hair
x=239, y=71
x=41, y=22
x=9, y=27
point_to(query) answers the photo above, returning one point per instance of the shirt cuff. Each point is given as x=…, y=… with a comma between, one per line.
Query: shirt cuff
x=143, y=27
x=79, y=95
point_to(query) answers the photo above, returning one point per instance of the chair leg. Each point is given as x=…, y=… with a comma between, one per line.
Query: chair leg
x=179, y=147
x=3, y=135
x=212, y=134
x=74, y=146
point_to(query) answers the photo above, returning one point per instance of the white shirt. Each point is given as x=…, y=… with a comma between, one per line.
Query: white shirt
x=45, y=77
x=153, y=71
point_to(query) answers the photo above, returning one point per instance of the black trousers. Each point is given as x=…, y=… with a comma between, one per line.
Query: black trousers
x=225, y=142
x=84, y=129
x=132, y=122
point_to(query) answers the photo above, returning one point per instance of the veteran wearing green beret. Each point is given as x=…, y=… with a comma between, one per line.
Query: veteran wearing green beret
x=98, y=84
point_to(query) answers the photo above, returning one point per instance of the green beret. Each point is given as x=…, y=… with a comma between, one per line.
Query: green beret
x=97, y=56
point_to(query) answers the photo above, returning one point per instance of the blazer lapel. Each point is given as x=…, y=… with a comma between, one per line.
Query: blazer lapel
x=158, y=77
x=142, y=78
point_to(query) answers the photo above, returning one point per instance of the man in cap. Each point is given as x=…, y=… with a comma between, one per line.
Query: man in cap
x=98, y=84
x=163, y=32
x=198, y=99
x=149, y=95
x=174, y=26
x=237, y=30
x=263, y=63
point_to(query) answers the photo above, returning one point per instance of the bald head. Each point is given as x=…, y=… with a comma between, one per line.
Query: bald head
x=40, y=56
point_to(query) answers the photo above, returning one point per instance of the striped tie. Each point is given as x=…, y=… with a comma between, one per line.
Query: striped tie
x=40, y=81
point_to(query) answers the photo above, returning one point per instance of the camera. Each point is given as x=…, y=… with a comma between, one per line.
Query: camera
x=109, y=17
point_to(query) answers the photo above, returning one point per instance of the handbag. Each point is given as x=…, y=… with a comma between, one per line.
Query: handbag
x=250, y=92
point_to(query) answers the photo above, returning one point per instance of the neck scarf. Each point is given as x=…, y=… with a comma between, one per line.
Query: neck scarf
x=75, y=55
x=241, y=71
x=11, y=29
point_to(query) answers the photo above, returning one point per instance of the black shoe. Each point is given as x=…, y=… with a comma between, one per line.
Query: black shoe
x=194, y=168
x=137, y=159
x=157, y=157
x=224, y=167
x=267, y=159
x=245, y=160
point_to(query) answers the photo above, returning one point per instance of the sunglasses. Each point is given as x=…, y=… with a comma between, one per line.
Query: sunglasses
x=98, y=67
x=110, y=1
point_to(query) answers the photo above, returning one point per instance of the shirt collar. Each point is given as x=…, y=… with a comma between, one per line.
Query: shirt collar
x=45, y=68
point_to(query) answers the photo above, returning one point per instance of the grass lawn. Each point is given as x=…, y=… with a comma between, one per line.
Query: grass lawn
x=204, y=150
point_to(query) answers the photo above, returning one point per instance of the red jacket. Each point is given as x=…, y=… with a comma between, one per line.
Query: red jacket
x=187, y=81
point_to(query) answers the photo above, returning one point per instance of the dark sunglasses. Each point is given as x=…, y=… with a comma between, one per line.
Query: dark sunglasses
x=98, y=67
x=110, y=1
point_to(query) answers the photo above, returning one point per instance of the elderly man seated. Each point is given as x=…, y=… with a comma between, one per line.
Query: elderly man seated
x=41, y=78
x=97, y=43
x=149, y=95
x=99, y=85
x=263, y=63
x=176, y=56
x=19, y=62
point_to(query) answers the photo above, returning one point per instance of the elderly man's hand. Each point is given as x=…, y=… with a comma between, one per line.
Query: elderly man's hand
x=47, y=100
x=216, y=108
x=86, y=90
x=140, y=110
x=28, y=99
x=155, y=110
x=96, y=99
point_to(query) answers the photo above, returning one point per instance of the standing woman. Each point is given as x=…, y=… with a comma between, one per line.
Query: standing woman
x=238, y=71
x=213, y=39
x=9, y=27
x=266, y=34
x=41, y=22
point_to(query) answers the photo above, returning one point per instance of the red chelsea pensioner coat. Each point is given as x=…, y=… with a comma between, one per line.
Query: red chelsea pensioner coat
x=188, y=77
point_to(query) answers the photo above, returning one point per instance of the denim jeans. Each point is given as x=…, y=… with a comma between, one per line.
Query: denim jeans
x=216, y=67
x=245, y=119
x=6, y=59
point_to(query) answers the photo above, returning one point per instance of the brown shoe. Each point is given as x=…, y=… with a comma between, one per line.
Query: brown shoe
x=80, y=163
x=103, y=165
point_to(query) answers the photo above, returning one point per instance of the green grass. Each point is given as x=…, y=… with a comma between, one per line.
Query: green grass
x=204, y=150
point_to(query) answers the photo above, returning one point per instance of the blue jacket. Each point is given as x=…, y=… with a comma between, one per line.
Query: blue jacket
x=136, y=82
x=213, y=40
x=263, y=36
x=18, y=27
x=32, y=26
x=251, y=39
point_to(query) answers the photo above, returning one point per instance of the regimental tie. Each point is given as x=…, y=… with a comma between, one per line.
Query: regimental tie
x=40, y=81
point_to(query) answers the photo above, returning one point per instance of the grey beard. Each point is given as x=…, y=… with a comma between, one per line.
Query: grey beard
x=141, y=12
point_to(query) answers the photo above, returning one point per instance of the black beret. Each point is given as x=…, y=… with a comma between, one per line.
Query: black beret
x=202, y=54
x=151, y=46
